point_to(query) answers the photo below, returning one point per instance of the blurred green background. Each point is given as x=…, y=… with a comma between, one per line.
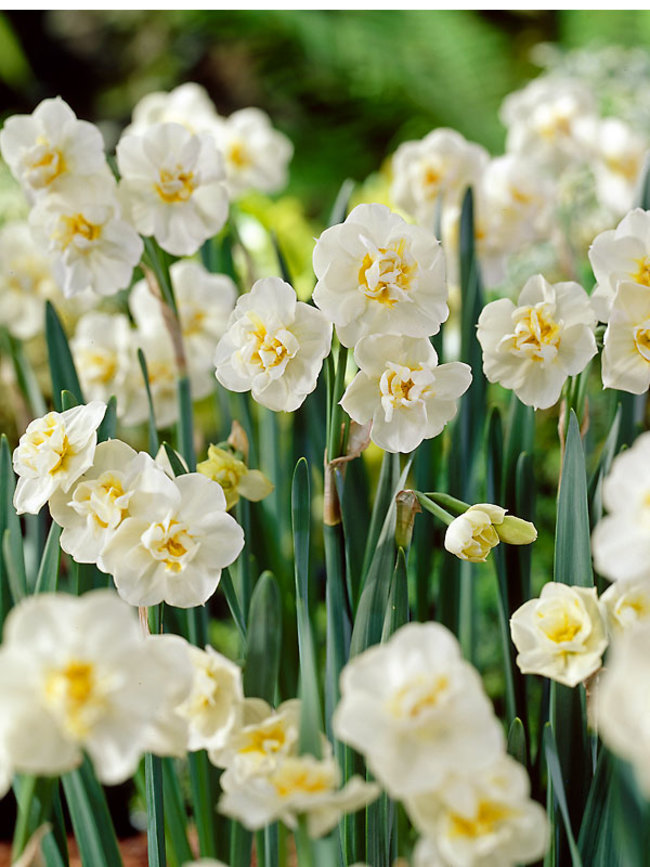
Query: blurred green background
x=347, y=87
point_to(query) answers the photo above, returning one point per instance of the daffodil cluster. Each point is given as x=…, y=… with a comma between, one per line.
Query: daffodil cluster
x=418, y=714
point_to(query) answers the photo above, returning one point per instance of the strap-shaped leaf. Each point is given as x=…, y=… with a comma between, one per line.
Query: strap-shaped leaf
x=91, y=819
x=572, y=536
x=264, y=639
x=62, y=369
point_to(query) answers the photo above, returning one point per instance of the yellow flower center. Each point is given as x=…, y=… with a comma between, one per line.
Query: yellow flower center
x=489, y=815
x=401, y=387
x=536, y=334
x=642, y=274
x=268, y=350
x=169, y=542
x=103, y=500
x=560, y=625
x=642, y=340
x=75, y=229
x=418, y=696
x=238, y=156
x=265, y=740
x=386, y=274
x=45, y=448
x=294, y=776
x=71, y=692
x=625, y=165
x=175, y=185
x=43, y=164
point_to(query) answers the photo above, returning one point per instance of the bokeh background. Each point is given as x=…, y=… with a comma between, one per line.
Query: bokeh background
x=347, y=87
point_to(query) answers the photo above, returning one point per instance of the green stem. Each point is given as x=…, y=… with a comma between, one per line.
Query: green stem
x=448, y=502
x=304, y=846
x=155, y=811
x=334, y=436
x=434, y=508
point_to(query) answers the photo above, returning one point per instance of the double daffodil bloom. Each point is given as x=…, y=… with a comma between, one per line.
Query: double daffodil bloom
x=223, y=466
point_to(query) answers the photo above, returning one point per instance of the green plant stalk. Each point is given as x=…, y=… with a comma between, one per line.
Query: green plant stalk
x=202, y=802
x=175, y=819
x=334, y=437
x=185, y=427
x=155, y=811
x=433, y=508
x=304, y=845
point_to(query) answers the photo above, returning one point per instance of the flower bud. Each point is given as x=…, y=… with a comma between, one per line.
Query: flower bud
x=516, y=531
x=473, y=534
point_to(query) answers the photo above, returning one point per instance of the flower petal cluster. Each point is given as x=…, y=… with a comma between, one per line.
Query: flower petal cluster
x=53, y=452
x=296, y=785
x=379, y=275
x=172, y=546
x=50, y=146
x=622, y=701
x=620, y=542
x=403, y=390
x=172, y=186
x=620, y=255
x=189, y=105
x=416, y=711
x=213, y=709
x=77, y=676
x=274, y=346
x=486, y=819
x=441, y=165
x=224, y=467
x=256, y=156
x=626, y=603
x=561, y=635
x=532, y=348
x=472, y=535
x=26, y=281
x=103, y=351
x=626, y=344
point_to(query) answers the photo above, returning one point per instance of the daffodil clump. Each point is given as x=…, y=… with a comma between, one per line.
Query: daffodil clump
x=207, y=584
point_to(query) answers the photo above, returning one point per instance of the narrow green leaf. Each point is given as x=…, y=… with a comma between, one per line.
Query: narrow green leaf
x=596, y=827
x=369, y=620
x=62, y=369
x=517, y=741
x=176, y=464
x=572, y=539
x=91, y=819
x=233, y=603
x=155, y=811
x=203, y=785
x=48, y=571
x=107, y=429
x=397, y=610
x=68, y=400
x=26, y=378
x=153, y=431
x=555, y=774
x=311, y=717
x=175, y=815
x=338, y=621
x=264, y=639
x=12, y=555
x=384, y=496
x=185, y=426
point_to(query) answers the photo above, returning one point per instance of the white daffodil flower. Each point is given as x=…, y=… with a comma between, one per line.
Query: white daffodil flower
x=483, y=819
x=188, y=104
x=264, y=735
x=626, y=344
x=26, y=281
x=472, y=535
x=403, y=390
x=234, y=476
x=379, y=275
x=541, y=120
x=440, y=166
x=626, y=603
x=296, y=786
x=92, y=510
x=622, y=701
x=204, y=302
x=48, y=147
x=91, y=246
x=172, y=547
x=274, y=346
x=620, y=255
x=416, y=711
x=76, y=675
x=561, y=635
x=619, y=541
x=172, y=186
x=53, y=452
x=213, y=709
x=256, y=156
x=104, y=355
x=532, y=348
